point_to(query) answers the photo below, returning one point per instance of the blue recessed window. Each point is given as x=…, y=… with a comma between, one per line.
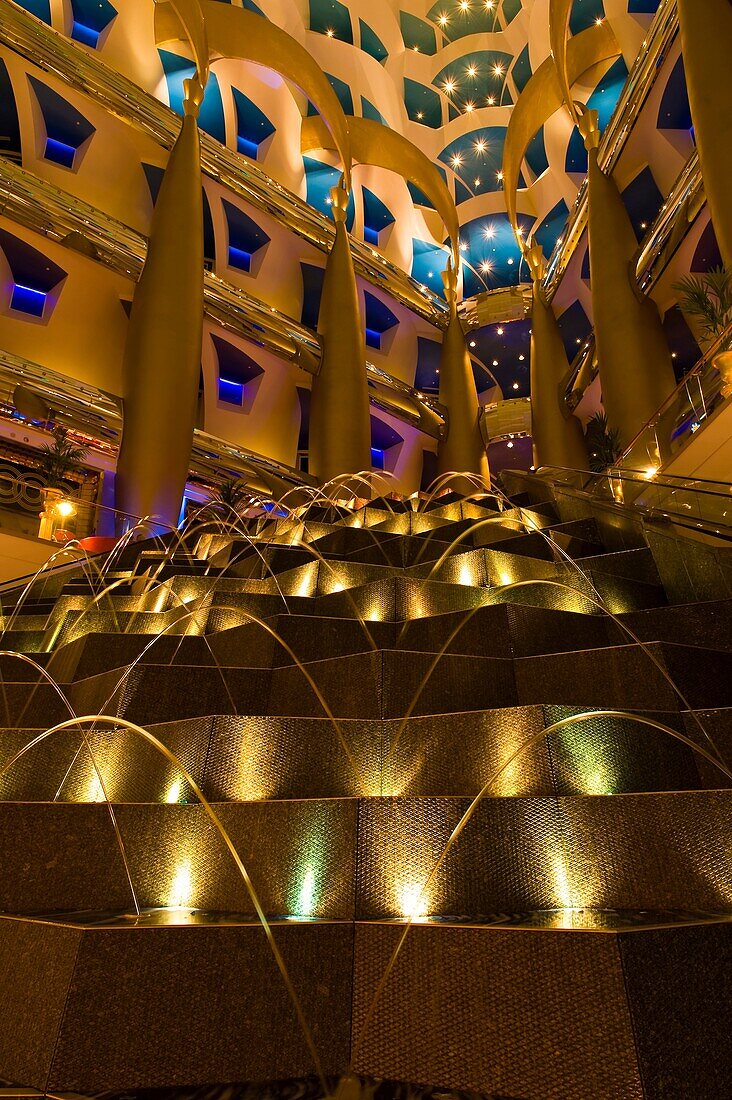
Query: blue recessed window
x=25, y=299
x=90, y=18
x=238, y=374
x=377, y=459
x=239, y=259
x=230, y=391
x=379, y=319
x=246, y=238
x=59, y=153
x=33, y=276
x=252, y=125
x=86, y=35
x=376, y=216
x=67, y=130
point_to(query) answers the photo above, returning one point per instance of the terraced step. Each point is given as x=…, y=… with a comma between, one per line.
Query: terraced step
x=254, y=757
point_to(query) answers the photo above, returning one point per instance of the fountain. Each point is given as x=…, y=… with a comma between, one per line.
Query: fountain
x=311, y=802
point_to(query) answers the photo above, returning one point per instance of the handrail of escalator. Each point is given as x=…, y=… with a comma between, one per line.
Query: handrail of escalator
x=642, y=477
x=696, y=504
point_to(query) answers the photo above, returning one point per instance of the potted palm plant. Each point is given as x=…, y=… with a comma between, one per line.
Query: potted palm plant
x=708, y=299
x=603, y=443
x=58, y=460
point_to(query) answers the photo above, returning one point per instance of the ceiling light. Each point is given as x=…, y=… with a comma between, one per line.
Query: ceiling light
x=510, y=443
x=457, y=160
x=495, y=362
x=472, y=343
x=420, y=114
x=330, y=32
x=491, y=100
x=499, y=330
x=480, y=146
x=521, y=358
x=499, y=176
x=471, y=70
x=442, y=20
x=485, y=267
x=449, y=86
x=515, y=385
x=464, y=5
x=476, y=182
x=469, y=107
x=510, y=261
x=489, y=232
x=498, y=70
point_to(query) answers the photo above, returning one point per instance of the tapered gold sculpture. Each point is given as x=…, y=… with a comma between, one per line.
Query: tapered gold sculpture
x=556, y=433
x=636, y=372
x=162, y=361
x=463, y=449
x=340, y=425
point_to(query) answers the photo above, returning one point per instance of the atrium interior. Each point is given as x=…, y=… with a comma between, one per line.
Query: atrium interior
x=365, y=549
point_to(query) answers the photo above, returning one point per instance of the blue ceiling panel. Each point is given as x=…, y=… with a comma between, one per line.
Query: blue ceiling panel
x=331, y=18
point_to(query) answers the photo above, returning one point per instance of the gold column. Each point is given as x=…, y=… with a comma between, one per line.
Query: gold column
x=340, y=425
x=636, y=373
x=706, y=40
x=463, y=450
x=557, y=434
x=162, y=361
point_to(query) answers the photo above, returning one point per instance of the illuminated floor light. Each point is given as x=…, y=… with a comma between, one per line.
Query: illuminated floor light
x=306, y=898
x=413, y=903
x=561, y=882
x=181, y=888
x=172, y=795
